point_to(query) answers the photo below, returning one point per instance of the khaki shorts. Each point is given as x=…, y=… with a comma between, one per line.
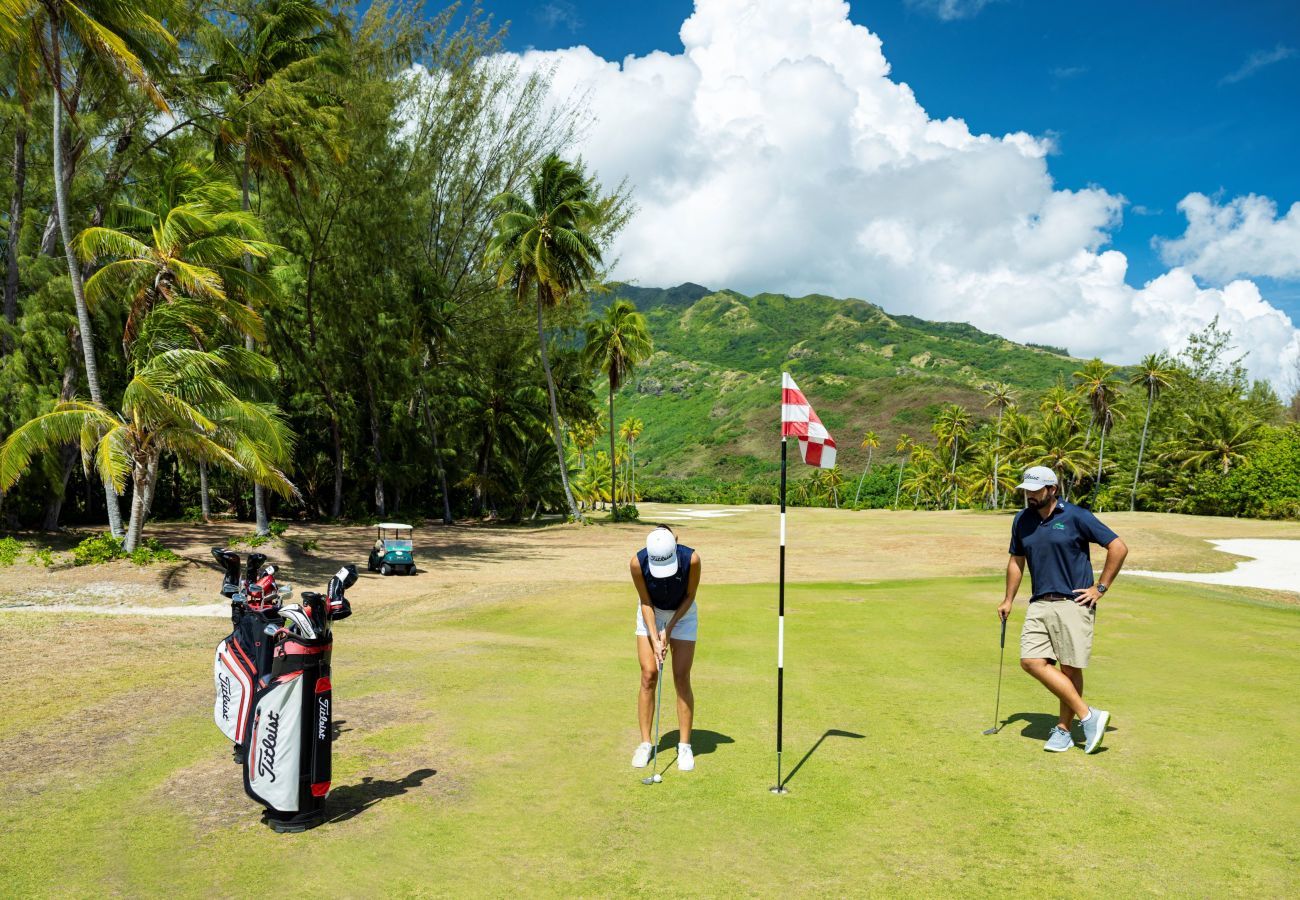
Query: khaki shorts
x=1059, y=630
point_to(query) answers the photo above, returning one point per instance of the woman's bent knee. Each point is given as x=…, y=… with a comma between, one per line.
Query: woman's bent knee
x=649, y=679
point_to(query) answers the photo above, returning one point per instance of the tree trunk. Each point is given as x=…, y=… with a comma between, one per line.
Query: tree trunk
x=997, y=447
x=1132, y=497
x=74, y=269
x=613, y=462
x=480, y=469
x=205, y=504
x=151, y=482
x=437, y=456
x=139, y=494
x=555, y=415
x=898, y=488
x=259, y=492
x=954, y=474
x=856, y=496
x=15, y=226
x=336, y=436
x=631, y=452
x=378, y=454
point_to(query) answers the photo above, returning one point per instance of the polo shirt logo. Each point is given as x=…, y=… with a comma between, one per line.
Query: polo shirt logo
x=1059, y=526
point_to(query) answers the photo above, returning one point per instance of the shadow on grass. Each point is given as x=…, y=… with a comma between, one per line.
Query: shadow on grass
x=1038, y=726
x=354, y=799
x=702, y=742
x=830, y=732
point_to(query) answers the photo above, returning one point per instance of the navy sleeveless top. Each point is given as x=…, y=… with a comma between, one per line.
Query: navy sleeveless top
x=667, y=593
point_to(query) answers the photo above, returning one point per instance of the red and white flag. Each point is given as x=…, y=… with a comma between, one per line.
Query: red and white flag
x=798, y=420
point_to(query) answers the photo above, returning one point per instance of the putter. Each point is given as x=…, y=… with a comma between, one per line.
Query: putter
x=654, y=765
x=1002, y=655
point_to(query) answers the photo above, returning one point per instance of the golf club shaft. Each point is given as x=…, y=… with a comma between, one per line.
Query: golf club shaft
x=659, y=695
x=1002, y=655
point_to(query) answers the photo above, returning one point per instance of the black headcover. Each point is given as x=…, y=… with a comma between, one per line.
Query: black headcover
x=334, y=592
x=229, y=562
x=255, y=561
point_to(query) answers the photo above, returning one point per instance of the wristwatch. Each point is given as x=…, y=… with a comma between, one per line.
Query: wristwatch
x=1101, y=588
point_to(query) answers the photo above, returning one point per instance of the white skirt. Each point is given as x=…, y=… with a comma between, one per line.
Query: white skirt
x=684, y=630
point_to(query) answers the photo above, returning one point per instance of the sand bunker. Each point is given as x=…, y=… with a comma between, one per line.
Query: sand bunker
x=1274, y=565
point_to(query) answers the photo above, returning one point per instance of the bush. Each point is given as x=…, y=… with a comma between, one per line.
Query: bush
x=42, y=555
x=278, y=529
x=310, y=546
x=100, y=548
x=9, y=550
x=629, y=512
x=106, y=548
x=192, y=514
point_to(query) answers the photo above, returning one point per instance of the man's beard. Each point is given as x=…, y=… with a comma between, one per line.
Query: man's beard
x=1040, y=502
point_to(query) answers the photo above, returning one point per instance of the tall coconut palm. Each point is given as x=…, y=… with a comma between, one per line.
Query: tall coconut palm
x=951, y=427
x=178, y=401
x=544, y=246
x=268, y=119
x=924, y=472
x=114, y=37
x=870, y=441
x=630, y=431
x=616, y=342
x=1001, y=396
x=1155, y=373
x=904, y=449
x=1100, y=388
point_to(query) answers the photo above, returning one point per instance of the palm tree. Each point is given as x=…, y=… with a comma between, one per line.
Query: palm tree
x=544, y=246
x=181, y=401
x=1155, y=373
x=1216, y=435
x=190, y=254
x=925, y=472
x=1003, y=397
x=951, y=427
x=1059, y=446
x=630, y=431
x=616, y=342
x=904, y=449
x=871, y=442
x=1099, y=386
x=267, y=116
x=113, y=36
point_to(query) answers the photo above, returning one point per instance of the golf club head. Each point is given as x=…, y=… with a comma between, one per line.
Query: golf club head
x=649, y=779
x=993, y=730
x=779, y=789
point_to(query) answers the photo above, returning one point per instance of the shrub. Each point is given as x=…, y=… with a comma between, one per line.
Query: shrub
x=9, y=550
x=43, y=555
x=100, y=548
x=278, y=529
x=310, y=546
x=629, y=512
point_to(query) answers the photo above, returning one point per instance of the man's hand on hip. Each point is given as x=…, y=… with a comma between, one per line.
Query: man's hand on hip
x=1087, y=596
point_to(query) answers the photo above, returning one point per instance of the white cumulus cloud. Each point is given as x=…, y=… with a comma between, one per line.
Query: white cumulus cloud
x=1245, y=236
x=775, y=153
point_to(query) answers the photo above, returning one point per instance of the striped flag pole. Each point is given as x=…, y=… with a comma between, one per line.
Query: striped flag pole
x=780, y=788
x=817, y=448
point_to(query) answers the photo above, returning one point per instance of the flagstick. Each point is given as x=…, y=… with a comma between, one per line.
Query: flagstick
x=780, y=788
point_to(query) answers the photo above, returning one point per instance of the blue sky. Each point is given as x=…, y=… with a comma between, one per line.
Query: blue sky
x=1149, y=100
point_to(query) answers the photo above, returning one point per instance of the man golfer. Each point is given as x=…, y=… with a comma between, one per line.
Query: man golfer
x=1052, y=536
x=666, y=575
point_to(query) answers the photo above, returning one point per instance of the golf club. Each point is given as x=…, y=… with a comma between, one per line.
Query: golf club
x=1002, y=655
x=655, y=778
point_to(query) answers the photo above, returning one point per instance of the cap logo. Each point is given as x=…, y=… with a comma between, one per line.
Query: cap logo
x=661, y=559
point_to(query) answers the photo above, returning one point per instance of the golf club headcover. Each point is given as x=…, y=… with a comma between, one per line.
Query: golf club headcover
x=229, y=562
x=255, y=561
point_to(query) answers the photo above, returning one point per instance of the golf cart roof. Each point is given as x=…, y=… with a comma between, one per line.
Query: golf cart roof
x=394, y=526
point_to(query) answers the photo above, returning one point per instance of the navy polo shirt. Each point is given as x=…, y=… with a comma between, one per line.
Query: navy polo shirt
x=1057, y=547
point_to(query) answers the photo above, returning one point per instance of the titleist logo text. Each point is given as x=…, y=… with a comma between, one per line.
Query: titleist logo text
x=266, y=762
x=322, y=718
x=225, y=696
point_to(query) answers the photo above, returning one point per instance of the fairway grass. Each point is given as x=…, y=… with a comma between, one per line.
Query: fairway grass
x=483, y=750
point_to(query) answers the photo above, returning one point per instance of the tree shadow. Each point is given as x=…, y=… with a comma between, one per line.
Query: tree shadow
x=830, y=732
x=354, y=799
x=702, y=741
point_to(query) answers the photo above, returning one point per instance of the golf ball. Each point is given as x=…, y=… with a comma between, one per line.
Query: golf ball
x=658, y=778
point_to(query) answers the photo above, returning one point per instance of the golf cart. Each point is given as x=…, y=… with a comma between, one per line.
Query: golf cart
x=392, y=551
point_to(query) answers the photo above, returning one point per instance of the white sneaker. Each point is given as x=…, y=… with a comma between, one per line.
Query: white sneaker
x=641, y=758
x=685, y=757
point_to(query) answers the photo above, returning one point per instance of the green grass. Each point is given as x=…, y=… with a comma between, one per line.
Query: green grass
x=524, y=712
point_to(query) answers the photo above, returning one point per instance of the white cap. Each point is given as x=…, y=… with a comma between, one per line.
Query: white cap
x=1036, y=478
x=661, y=548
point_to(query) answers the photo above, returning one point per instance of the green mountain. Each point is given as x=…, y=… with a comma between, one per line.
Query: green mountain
x=709, y=397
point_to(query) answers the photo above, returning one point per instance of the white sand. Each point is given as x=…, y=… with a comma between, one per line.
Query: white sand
x=1274, y=565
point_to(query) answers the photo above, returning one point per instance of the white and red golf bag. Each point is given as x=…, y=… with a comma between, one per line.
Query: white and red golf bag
x=289, y=731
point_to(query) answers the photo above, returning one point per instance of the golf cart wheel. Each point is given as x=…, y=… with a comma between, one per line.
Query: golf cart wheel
x=410, y=570
x=385, y=569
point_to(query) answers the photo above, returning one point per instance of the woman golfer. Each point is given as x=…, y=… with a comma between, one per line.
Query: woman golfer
x=666, y=575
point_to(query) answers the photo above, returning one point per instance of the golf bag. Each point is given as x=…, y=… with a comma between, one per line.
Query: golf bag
x=243, y=658
x=289, y=728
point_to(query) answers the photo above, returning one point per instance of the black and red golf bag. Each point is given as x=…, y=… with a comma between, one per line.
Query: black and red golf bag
x=289, y=729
